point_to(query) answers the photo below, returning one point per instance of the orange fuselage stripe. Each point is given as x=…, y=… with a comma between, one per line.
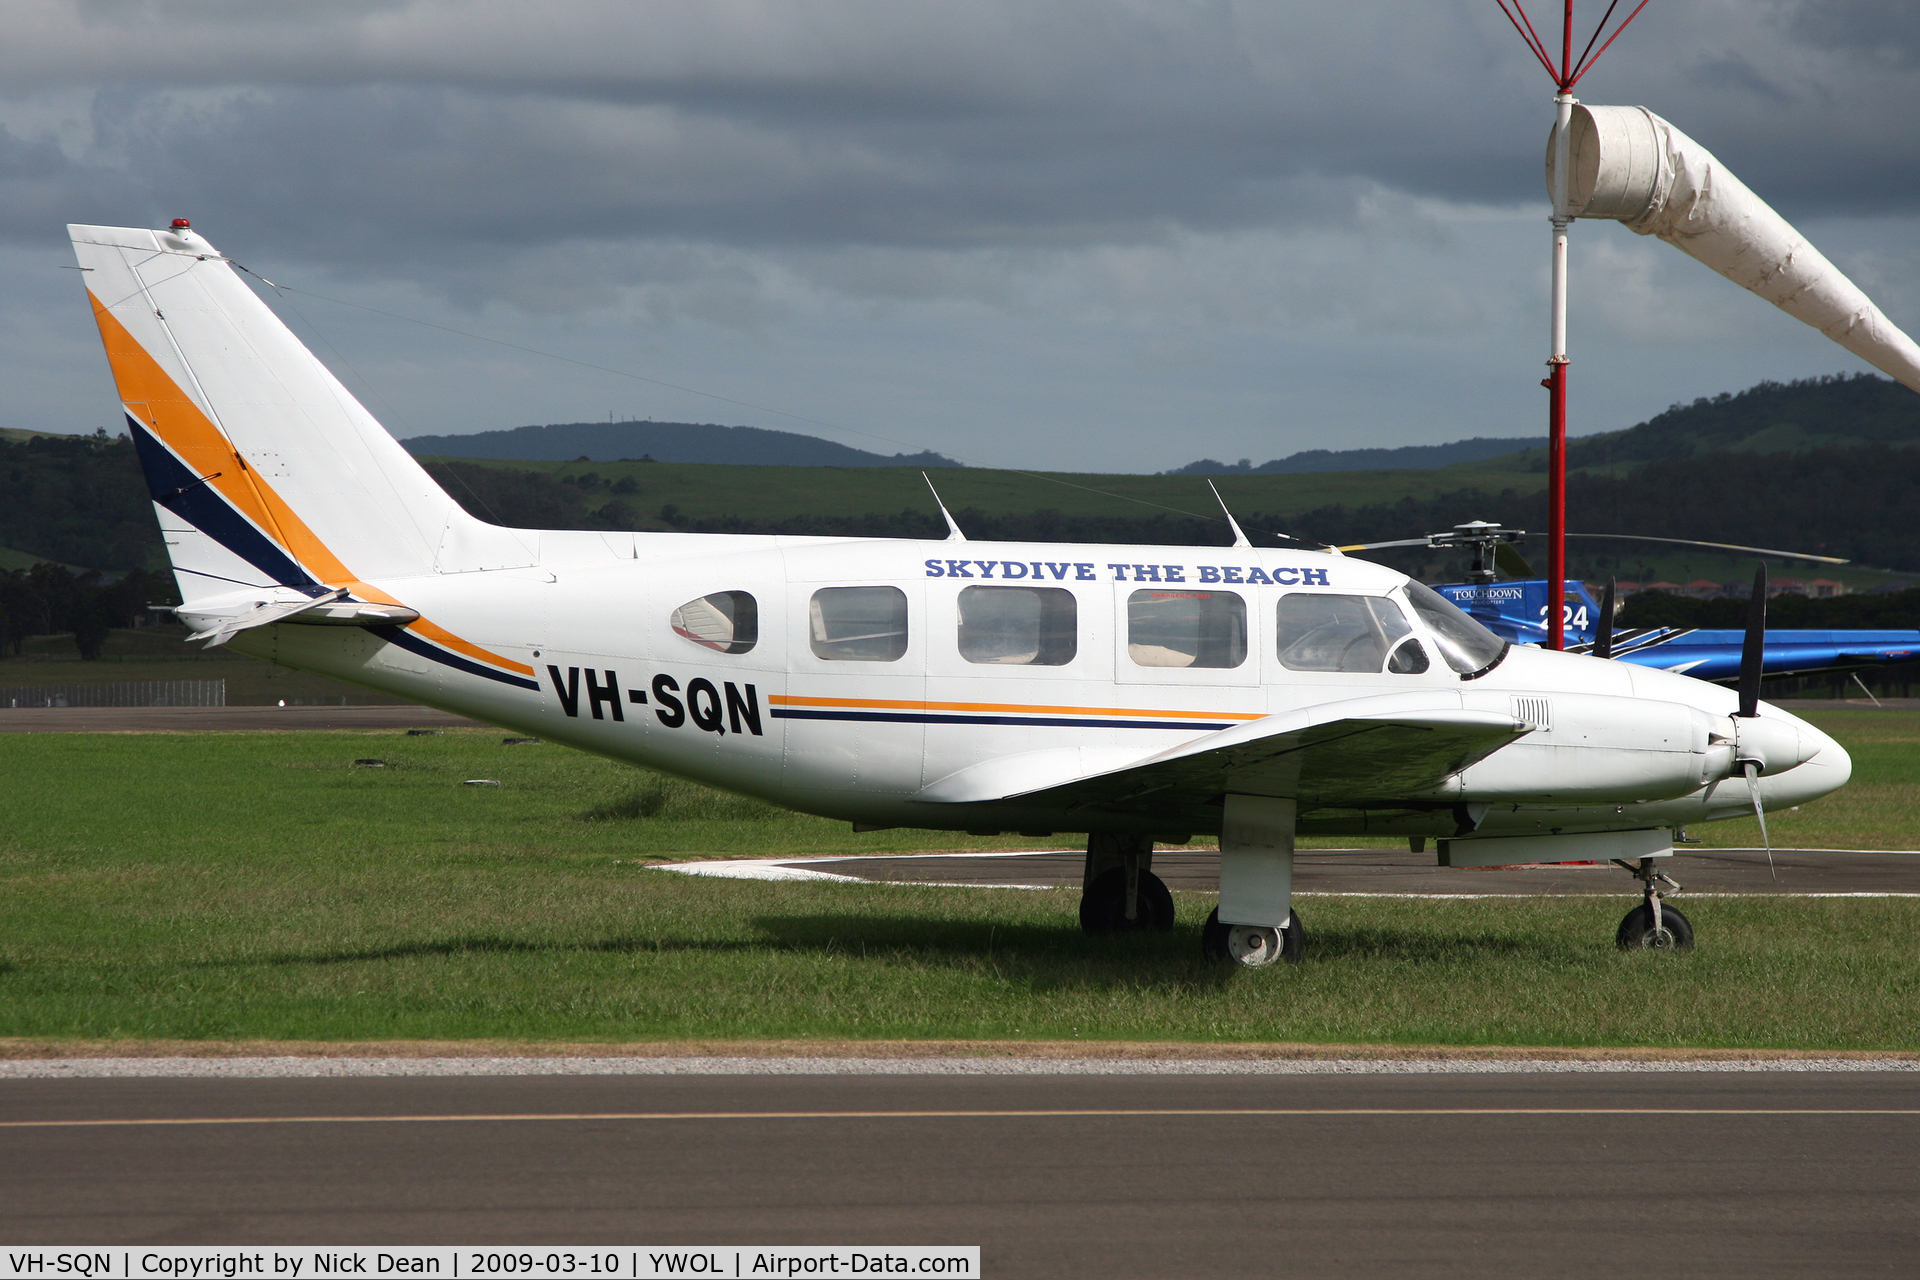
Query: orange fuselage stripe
x=784, y=700
x=176, y=419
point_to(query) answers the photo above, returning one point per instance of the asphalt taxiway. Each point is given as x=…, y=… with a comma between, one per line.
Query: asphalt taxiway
x=1382, y=871
x=1690, y=1172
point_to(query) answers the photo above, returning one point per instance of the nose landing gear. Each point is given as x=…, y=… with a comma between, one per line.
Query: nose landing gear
x=1653, y=925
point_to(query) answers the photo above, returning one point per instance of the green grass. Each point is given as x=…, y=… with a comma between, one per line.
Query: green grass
x=239, y=887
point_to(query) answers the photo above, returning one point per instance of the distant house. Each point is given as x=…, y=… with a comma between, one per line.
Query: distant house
x=1826, y=588
x=1786, y=587
x=1665, y=588
x=1701, y=589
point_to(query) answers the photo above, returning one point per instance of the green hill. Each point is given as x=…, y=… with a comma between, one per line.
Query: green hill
x=1773, y=417
x=17, y=436
x=663, y=495
x=1713, y=469
x=666, y=441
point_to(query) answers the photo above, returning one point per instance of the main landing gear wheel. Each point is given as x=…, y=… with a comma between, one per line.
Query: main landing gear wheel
x=1103, y=907
x=1637, y=932
x=1252, y=945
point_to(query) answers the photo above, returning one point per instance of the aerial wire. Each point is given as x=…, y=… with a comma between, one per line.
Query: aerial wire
x=281, y=290
x=389, y=407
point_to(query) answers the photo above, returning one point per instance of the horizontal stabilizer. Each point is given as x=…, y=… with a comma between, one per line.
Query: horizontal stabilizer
x=221, y=620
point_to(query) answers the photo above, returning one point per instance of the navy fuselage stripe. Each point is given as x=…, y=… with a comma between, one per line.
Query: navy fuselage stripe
x=201, y=505
x=919, y=717
x=414, y=644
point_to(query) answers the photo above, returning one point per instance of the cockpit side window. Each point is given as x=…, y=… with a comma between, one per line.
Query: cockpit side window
x=1314, y=631
x=727, y=621
x=1186, y=629
x=858, y=624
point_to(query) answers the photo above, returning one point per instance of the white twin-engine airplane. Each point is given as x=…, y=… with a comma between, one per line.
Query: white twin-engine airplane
x=1138, y=694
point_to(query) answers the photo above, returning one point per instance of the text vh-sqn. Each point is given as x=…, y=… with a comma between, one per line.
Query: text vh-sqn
x=1138, y=694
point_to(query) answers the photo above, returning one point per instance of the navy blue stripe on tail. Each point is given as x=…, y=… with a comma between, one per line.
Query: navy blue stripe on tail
x=201, y=505
x=405, y=639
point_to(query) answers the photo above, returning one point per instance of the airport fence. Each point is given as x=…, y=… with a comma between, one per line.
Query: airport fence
x=131, y=693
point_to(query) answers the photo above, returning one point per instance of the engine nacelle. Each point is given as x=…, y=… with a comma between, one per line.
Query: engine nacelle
x=1775, y=745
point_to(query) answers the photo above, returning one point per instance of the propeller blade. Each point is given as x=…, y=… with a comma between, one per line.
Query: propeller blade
x=1511, y=562
x=1603, y=633
x=1718, y=546
x=1753, y=790
x=1753, y=651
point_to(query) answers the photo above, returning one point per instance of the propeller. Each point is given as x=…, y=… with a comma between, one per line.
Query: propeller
x=1753, y=650
x=1603, y=630
x=1752, y=655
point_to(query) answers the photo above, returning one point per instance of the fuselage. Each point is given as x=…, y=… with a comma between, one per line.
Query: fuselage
x=842, y=677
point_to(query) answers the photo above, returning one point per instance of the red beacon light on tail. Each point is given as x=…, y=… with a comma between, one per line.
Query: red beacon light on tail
x=181, y=224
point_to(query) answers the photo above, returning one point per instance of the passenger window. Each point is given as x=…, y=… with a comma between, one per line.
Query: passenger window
x=1018, y=626
x=1315, y=632
x=1186, y=629
x=726, y=620
x=858, y=624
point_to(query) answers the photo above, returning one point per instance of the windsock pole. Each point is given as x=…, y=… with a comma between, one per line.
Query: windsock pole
x=1565, y=76
x=1556, y=385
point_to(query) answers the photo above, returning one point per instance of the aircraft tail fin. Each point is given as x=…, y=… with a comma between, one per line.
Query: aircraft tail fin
x=264, y=470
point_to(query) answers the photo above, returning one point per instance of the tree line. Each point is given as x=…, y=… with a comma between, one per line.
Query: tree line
x=83, y=501
x=49, y=599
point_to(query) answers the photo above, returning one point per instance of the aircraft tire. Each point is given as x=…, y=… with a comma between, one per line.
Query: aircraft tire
x=1103, y=907
x=1231, y=942
x=1636, y=931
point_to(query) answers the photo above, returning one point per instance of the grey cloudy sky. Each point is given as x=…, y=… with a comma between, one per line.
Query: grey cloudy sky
x=1040, y=233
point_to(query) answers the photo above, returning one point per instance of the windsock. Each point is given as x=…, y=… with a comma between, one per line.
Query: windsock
x=1628, y=164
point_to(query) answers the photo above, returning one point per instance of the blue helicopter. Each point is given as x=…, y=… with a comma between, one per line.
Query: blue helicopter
x=1516, y=610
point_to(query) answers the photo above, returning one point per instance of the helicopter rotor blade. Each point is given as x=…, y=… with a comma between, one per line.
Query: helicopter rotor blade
x=1718, y=546
x=1378, y=546
x=1511, y=562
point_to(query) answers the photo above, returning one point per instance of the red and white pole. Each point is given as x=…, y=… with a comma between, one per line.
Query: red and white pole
x=1556, y=385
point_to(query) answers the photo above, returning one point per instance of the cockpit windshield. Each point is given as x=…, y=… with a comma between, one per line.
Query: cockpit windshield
x=1467, y=647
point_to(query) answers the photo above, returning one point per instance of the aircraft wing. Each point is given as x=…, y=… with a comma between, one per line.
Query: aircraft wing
x=1365, y=752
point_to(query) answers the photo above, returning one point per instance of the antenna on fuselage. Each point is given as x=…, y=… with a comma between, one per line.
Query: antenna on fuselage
x=1239, y=537
x=953, y=530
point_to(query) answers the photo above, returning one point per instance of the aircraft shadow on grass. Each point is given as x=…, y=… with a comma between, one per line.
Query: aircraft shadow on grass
x=1041, y=950
x=1038, y=953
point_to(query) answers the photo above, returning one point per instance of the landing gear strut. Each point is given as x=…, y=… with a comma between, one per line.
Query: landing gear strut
x=1653, y=925
x=1118, y=894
